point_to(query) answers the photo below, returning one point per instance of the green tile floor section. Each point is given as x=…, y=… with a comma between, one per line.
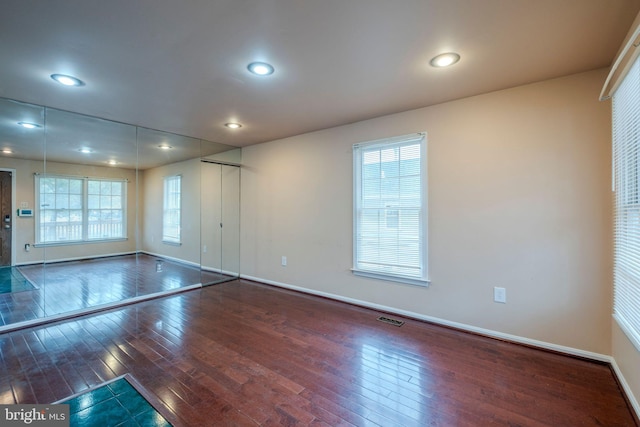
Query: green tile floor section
x=11, y=280
x=116, y=404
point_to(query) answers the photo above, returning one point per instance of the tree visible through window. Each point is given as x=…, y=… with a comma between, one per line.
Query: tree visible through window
x=172, y=209
x=389, y=209
x=79, y=209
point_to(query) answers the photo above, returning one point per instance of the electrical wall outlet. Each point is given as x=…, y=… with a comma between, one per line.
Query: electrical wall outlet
x=284, y=261
x=499, y=295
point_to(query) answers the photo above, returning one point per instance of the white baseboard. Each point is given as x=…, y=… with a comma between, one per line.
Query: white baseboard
x=170, y=258
x=625, y=386
x=80, y=258
x=481, y=331
x=219, y=271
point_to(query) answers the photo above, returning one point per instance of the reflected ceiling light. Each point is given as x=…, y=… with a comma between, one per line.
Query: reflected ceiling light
x=112, y=162
x=165, y=147
x=67, y=80
x=233, y=125
x=28, y=125
x=445, y=59
x=7, y=151
x=85, y=150
x=260, y=68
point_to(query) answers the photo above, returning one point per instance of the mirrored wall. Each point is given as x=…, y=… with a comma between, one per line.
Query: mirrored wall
x=97, y=213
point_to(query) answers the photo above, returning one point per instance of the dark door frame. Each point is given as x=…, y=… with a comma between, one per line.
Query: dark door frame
x=14, y=215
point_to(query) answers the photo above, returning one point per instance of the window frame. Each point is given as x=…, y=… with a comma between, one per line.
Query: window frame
x=421, y=277
x=85, y=210
x=171, y=239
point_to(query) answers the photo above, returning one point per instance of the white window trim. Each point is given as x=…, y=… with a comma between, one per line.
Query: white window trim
x=423, y=280
x=85, y=209
x=168, y=240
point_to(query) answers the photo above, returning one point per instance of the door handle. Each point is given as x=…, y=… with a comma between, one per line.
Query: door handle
x=7, y=226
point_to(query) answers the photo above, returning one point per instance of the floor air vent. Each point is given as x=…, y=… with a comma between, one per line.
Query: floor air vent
x=390, y=321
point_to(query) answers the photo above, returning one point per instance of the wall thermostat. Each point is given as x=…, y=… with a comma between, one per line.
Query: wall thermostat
x=25, y=212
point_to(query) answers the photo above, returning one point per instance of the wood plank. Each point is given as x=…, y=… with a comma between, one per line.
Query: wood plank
x=242, y=353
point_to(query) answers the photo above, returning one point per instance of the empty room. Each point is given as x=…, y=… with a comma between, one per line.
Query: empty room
x=329, y=213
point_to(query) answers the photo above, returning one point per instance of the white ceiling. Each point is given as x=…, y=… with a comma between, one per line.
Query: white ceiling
x=180, y=66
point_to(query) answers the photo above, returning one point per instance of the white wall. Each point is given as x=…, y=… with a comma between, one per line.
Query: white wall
x=25, y=226
x=519, y=197
x=152, y=200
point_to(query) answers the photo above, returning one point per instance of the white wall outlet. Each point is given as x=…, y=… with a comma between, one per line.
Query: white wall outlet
x=284, y=261
x=499, y=295
x=204, y=249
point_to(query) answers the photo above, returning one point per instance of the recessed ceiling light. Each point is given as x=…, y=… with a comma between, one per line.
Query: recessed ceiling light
x=85, y=150
x=28, y=125
x=233, y=125
x=165, y=147
x=7, y=151
x=260, y=68
x=67, y=80
x=445, y=59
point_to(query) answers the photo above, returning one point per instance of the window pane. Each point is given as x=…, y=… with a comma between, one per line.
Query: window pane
x=93, y=202
x=94, y=187
x=62, y=216
x=75, y=201
x=171, y=221
x=389, y=198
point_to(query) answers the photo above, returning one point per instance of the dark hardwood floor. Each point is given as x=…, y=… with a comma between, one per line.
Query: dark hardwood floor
x=242, y=353
x=68, y=286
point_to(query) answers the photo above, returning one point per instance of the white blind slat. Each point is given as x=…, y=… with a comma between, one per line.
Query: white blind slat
x=626, y=147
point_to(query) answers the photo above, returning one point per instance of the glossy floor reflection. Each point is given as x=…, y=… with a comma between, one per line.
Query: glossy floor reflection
x=246, y=354
x=69, y=286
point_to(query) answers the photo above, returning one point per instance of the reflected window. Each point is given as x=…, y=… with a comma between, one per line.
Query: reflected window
x=79, y=209
x=172, y=209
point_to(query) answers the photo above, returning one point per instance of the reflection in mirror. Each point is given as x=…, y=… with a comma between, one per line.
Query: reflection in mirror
x=22, y=154
x=110, y=212
x=170, y=198
x=220, y=211
x=85, y=213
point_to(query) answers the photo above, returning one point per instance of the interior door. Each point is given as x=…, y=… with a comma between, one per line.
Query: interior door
x=6, y=217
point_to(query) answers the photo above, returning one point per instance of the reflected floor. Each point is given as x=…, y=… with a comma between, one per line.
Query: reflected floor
x=69, y=286
x=11, y=280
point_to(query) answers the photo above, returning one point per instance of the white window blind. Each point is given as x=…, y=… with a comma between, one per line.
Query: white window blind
x=626, y=142
x=390, y=209
x=172, y=209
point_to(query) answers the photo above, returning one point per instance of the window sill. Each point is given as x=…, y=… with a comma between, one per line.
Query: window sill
x=167, y=242
x=392, y=278
x=78, y=242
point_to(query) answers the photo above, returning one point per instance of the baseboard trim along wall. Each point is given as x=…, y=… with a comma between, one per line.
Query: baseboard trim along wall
x=480, y=331
x=625, y=387
x=80, y=258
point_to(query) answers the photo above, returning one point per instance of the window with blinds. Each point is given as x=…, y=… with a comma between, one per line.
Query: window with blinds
x=171, y=214
x=626, y=141
x=390, y=217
